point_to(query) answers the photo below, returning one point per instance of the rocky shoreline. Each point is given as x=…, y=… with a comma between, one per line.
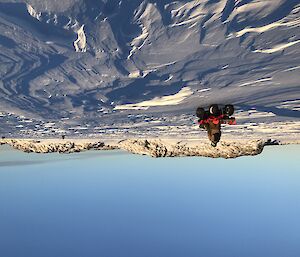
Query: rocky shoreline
x=37, y=146
x=151, y=147
x=157, y=148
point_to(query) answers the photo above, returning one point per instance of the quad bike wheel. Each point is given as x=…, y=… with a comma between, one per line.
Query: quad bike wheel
x=200, y=112
x=214, y=109
x=228, y=109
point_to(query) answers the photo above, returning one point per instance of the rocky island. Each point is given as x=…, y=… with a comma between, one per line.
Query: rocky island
x=150, y=147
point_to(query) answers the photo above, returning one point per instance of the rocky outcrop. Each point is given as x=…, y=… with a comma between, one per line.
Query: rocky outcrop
x=35, y=146
x=158, y=148
x=151, y=147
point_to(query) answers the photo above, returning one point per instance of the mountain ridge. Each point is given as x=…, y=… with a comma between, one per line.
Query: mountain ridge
x=85, y=58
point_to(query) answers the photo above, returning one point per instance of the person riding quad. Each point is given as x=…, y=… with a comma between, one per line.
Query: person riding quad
x=213, y=132
x=212, y=119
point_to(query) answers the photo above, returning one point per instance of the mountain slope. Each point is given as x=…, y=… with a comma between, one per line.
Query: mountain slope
x=86, y=59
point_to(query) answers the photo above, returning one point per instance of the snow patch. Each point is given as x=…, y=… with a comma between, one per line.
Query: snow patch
x=293, y=68
x=33, y=12
x=170, y=78
x=253, y=114
x=204, y=90
x=255, y=82
x=294, y=23
x=187, y=13
x=158, y=101
x=291, y=105
x=135, y=74
x=277, y=48
x=138, y=42
x=80, y=42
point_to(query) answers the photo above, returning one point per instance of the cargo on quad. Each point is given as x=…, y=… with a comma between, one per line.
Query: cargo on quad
x=211, y=120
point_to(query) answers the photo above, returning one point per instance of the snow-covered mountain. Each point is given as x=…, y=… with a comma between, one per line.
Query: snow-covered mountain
x=90, y=58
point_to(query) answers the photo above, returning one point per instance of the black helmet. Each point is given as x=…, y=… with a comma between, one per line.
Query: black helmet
x=216, y=137
x=213, y=144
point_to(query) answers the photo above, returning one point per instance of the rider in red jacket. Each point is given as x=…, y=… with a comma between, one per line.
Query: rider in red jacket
x=212, y=119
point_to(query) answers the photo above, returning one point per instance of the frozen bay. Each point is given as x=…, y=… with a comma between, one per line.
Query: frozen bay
x=111, y=203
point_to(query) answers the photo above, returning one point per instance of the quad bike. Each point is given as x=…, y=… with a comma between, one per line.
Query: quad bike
x=212, y=119
x=216, y=115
